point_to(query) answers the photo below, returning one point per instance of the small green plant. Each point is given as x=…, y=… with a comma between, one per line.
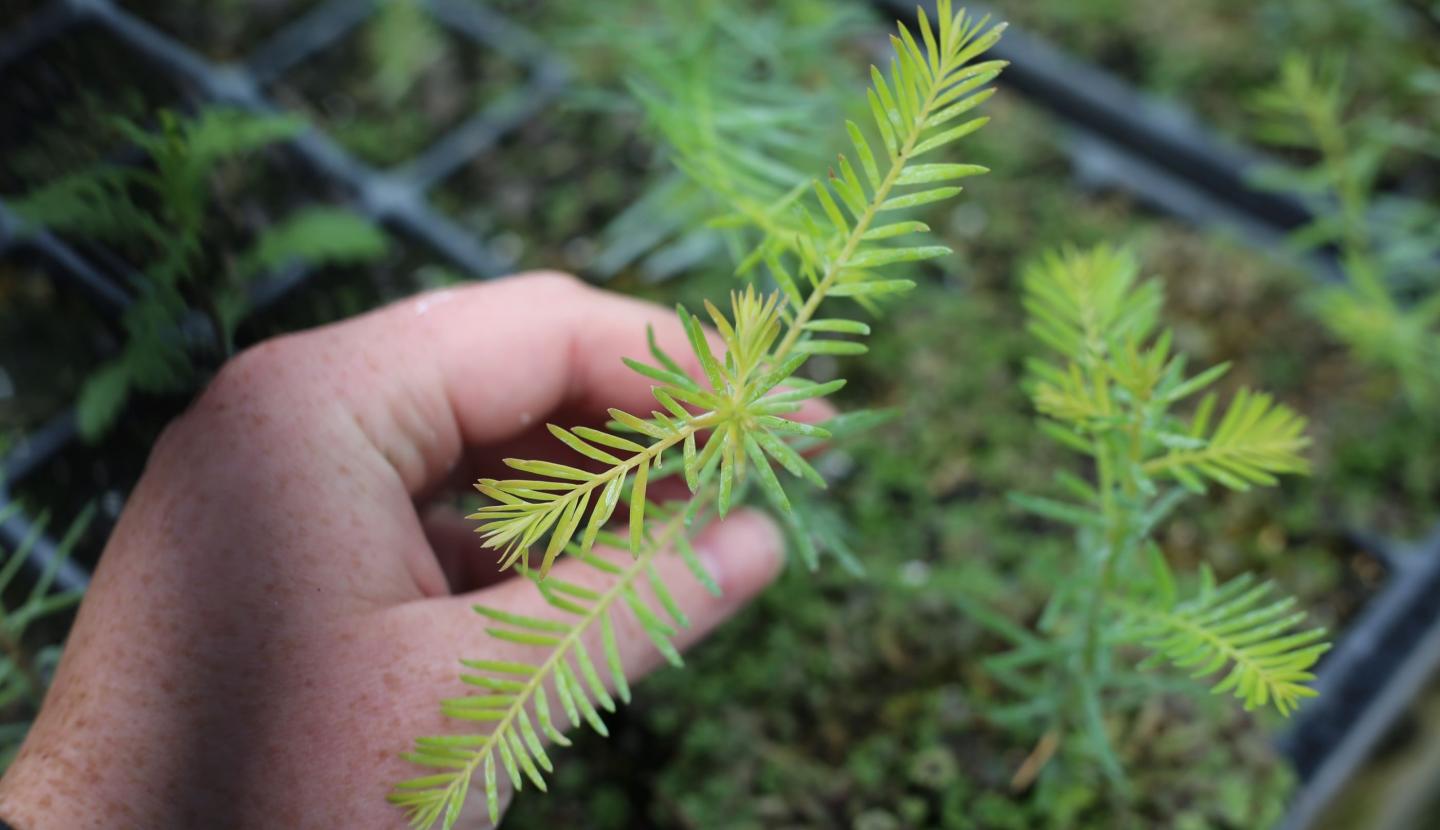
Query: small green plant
x=1109, y=390
x=402, y=42
x=724, y=430
x=25, y=666
x=399, y=83
x=743, y=102
x=161, y=210
x=1387, y=308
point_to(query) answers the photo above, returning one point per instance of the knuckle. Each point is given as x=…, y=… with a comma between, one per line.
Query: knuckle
x=255, y=370
x=252, y=386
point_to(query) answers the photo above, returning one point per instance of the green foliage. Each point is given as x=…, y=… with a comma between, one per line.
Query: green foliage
x=159, y=212
x=587, y=186
x=1202, y=51
x=743, y=105
x=727, y=423
x=313, y=235
x=103, y=397
x=400, y=80
x=1108, y=392
x=1237, y=625
x=765, y=726
x=25, y=669
x=512, y=690
x=402, y=42
x=1387, y=309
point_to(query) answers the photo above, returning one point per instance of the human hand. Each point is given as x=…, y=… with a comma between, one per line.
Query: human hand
x=278, y=612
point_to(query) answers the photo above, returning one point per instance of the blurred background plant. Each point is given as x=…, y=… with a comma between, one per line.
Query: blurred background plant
x=1205, y=54
x=33, y=616
x=1387, y=307
x=397, y=83
x=159, y=213
x=1107, y=388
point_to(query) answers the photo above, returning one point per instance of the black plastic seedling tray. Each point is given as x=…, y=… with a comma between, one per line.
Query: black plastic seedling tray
x=1119, y=138
x=1381, y=663
x=394, y=198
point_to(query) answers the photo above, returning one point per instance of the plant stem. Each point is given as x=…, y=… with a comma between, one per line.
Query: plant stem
x=1350, y=191
x=1090, y=652
x=862, y=224
x=623, y=582
x=694, y=425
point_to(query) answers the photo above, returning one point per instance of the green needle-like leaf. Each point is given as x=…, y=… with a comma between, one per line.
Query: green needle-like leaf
x=725, y=422
x=1237, y=627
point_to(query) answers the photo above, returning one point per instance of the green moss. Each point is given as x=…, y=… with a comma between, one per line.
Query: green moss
x=1211, y=54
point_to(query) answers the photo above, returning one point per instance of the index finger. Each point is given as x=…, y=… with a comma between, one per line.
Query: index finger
x=479, y=365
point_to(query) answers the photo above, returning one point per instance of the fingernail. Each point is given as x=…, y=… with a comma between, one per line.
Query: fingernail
x=742, y=552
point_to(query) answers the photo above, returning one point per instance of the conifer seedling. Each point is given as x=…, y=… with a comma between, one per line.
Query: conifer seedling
x=1110, y=386
x=723, y=430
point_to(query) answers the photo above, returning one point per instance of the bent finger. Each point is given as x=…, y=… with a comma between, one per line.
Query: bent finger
x=614, y=613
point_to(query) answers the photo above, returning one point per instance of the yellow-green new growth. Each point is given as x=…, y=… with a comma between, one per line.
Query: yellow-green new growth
x=1111, y=397
x=516, y=697
x=1239, y=628
x=768, y=338
x=727, y=422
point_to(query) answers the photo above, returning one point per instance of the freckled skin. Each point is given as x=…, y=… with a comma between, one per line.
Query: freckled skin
x=272, y=621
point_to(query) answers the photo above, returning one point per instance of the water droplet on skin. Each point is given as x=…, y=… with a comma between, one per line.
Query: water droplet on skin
x=428, y=301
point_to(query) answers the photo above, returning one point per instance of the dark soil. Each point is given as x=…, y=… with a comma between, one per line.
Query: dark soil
x=226, y=30
x=338, y=88
x=544, y=196
x=16, y=12
x=43, y=363
x=58, y=103
x=250, y=194
x=103, y=474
